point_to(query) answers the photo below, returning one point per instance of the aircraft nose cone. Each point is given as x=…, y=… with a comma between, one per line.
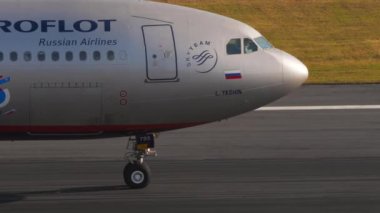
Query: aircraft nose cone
x=295, y=72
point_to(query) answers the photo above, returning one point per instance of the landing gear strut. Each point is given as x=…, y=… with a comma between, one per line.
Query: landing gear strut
x=137, y=172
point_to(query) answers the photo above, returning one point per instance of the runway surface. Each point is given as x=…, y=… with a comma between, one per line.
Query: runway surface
x=264, y=161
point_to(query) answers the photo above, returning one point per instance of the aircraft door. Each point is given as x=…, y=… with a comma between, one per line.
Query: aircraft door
x=160, y=52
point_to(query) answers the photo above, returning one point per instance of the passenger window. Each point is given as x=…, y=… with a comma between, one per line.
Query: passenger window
x=111, y=55
x=234, y=46
x=96, y=55
x=13, y=56
x=83, y=56
x=28, y=56
x=1, y=56
x=249, y=46
x=69, y=56
x=55, y=56
x=41, y=56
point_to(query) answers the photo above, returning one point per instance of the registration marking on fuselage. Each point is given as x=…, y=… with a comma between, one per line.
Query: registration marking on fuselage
x=314, y=108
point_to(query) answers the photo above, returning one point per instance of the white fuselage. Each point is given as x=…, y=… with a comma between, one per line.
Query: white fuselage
x=92, y=67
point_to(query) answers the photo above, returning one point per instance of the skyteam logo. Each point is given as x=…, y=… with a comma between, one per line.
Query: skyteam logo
x=5, y=96
x=202, y=57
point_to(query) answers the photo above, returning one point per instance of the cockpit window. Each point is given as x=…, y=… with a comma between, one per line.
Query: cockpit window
x=249, y=46
x=234, y=46
x=263, y=42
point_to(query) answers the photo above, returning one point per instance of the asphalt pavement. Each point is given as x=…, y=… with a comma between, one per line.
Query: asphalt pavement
x=263, y=161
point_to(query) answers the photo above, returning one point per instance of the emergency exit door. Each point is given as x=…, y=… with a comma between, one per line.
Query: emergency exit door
x=160, y=51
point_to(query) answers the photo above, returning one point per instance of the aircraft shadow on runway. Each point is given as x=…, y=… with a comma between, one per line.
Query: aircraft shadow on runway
x=20, y=196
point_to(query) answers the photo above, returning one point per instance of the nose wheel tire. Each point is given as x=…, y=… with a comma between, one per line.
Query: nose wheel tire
x=137, y=175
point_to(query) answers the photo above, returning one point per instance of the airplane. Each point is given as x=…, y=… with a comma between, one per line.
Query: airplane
x=78, y=69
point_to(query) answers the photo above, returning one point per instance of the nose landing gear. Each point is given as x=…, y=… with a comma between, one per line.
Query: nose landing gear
x=137, y=172
x=137, y=175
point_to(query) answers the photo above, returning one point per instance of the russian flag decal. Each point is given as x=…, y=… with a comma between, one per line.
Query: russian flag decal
x=232, y=75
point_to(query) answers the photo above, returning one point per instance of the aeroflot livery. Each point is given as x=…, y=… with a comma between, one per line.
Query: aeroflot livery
x=78, y=68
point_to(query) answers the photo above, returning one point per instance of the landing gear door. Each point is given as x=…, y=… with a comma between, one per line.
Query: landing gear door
x=161, y=55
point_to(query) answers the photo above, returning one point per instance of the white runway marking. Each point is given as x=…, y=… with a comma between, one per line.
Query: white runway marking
x=310, y=108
